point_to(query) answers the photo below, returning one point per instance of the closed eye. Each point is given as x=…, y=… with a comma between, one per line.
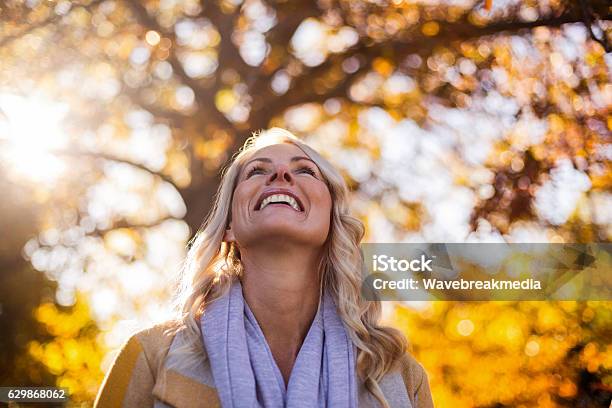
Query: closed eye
x=307, y=170
x=255, y=170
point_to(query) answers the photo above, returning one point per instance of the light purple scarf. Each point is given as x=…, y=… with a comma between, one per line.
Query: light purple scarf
x=246, y=374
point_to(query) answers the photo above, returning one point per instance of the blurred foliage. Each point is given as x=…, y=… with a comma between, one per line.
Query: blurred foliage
x=75, y=352
x=519, y=354
x=451, y=121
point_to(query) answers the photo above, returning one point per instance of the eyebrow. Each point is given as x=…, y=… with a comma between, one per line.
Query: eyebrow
x=267, y=160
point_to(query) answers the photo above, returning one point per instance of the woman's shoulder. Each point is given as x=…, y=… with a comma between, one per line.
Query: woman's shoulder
x=156, y=339
x=411, y=369
x=130, y=379
x=157, y=334
x=416, y=381
x=152, y=342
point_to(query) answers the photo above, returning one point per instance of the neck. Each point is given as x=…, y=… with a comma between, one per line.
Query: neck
x=281, y=287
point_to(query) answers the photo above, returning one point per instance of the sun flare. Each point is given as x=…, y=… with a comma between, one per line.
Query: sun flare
x=30, y=132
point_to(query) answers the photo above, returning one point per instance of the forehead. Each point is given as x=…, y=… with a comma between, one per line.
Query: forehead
x=280, y=152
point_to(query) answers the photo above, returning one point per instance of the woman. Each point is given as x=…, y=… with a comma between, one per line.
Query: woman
x=271, y=312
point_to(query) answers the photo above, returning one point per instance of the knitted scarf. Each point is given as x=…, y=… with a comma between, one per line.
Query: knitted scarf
x=244, y=370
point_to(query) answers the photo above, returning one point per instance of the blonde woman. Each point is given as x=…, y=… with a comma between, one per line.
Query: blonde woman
x=271, y=311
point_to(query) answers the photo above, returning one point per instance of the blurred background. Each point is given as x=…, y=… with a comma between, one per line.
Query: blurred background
x=452, y=121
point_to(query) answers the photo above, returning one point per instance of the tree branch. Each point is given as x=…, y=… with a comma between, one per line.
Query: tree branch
x=289, y=20
x=136, y=98
x=588, y=23
x=459, y=31
x=42, y=24
x=109, y=157
x=125, y=224
x=203, y=96
x=229, y=55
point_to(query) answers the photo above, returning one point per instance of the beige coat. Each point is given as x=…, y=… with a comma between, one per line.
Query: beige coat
x=145, y=374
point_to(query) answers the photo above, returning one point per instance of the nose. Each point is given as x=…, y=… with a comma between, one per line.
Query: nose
x=281, y=173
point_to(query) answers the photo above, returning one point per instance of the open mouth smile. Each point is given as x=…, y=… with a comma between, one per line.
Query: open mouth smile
x=279, y=197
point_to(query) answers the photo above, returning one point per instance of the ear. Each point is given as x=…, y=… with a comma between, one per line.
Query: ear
x=228, y=235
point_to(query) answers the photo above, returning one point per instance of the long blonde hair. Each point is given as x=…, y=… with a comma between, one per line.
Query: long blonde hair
x=211, y=265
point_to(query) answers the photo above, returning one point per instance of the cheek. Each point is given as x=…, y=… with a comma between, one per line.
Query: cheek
x=240, y=203
x=324, y=210
x=323, y=204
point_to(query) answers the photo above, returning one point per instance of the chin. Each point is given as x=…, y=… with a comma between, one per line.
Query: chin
x=286, y=232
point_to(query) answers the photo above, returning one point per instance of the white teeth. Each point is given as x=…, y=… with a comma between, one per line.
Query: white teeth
x=280, y=198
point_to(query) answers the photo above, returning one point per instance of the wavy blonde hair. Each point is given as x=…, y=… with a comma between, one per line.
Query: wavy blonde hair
x=211, y=265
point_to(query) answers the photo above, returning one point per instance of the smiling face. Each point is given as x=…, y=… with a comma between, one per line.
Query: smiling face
x=280, y=197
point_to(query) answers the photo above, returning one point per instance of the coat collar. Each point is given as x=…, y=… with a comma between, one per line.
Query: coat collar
x=181, y=391
x=185, y=378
